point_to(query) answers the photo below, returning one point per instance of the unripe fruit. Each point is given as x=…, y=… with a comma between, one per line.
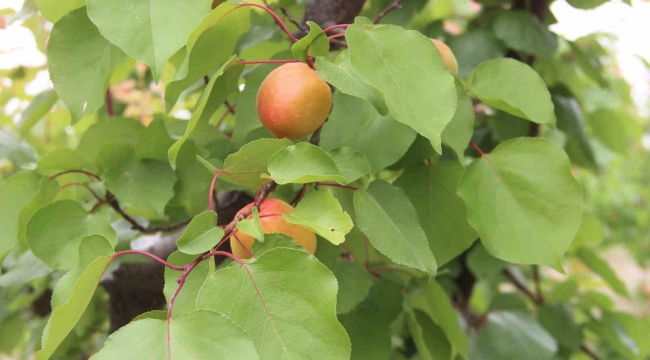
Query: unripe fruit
x=447, y=56
x=273, y=224
x=293, y=101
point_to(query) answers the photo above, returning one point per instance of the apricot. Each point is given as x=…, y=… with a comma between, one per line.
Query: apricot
x=293, y=101
x=273, y=224
x=447, y=56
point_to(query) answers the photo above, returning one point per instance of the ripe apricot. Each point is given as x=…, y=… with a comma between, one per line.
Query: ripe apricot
x=273, y=224
x=293, y=101
x=447, y=56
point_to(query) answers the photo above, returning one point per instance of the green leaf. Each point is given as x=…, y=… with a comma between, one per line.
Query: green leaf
x=222, y=84
x=222, y=26
x=23, y=270
x=53, y=10
x=356, y=124
x=252, y=226
x=441, y=211
x=429, y=338
x=248, y=164
x=186, y=300
x=141, y=28
x=407, y=68
x=558, y=320
x=283, y=296
x=611, y=127
x=201, y=234
x=147, y=184
x=59, y=160
x=474, y=47
x=193, y=177
x=274, y=241
x=539, y=202
x=523, y=32
x=314, y=44
x=435, y=303
x=586, y=4
x=15, y=192
x=602, y=269
x=320, y=212
x=498, y=83
x=107, y=131
x=389, y=220
x=303, y=163
x=354, y=284
x=351, y=163
x=615, y=336
x=459, y=131
x=570, y=120
x=36, y=110
x=55, y=232
x=154, y=142
x=71, y=297
x=369, y=324
x=589, y=233
x=512, y=335
x=341, y=75
x=482, y=264
x=12, y=329
x=147, y=339
x=80, y=61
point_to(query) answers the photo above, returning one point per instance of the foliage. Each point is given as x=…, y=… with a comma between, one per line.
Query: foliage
x=428, y=190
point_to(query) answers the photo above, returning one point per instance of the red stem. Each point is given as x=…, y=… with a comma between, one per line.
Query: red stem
x=336, y=185
x=478, y=149
x=299, y=195
x=87, y=173
x=109, y=103
x=229, y=110
x=267, y=62
x=84, y=186
x=335, y=36
x=391, y=7
x=275, y=16
x=339, y=26
x=223, y=253
x=214, y=181
x=242, y=245
x=97, y=206
x=149, y=255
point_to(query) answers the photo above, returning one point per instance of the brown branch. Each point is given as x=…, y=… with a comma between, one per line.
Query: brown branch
x=589, y=352
x=112, y=201
x=396, y=5
x=522, y=287
x=110, y=111
x=538, y=285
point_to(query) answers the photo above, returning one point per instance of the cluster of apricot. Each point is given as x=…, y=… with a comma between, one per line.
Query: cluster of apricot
x=292, y=102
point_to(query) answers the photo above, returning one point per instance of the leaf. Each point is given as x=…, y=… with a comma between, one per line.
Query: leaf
x=614, y=336
x=539, y=202
x=141, y=28
x=436, y=304
x=25, y=269
x=351, y=163
x=589, y=233
x=36, y=110
x=474, y=47
x=369, y=324
x=602, y=269
x=274, y=241
x=429, y=339
x=512, y=335
x=70, y=302
x=407, y=68
x=611, y=127
x=303, y=163
x=498, y=83
x=248, y=164
x=222, y=26
x=186, y=300
x=570, y=120
x=201, y=234
x=442, y=213
x=459, y=131
x=147, y=184
x=341, y=75
x=147, y=339
x=356, y=124
x=55, y=232
x=522, y=31
x=558, y=320
x=192, y=175
x=282, y=296
x=59, y=160
x=320, y=212
x=389, y=220
x=154, y=142
x=314, y=44
x=15, y=192
x=252, y=226
x=81, y=61
x=482, y=264
x=586, y=4
x=111, y=130
x=222, y=84
x=53, y=10
x=354, y=284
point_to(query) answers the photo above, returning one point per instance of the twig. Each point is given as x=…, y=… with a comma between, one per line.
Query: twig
x=112, y=201
x=396, y=5
x=109, y=103
x=149, y=255
x=538, y=286
x=478, y=149
x=230, y=110
x=299, y=195
x=267, y=62
x=589, y=352
x=335, y=36
x=84, y=186
x=212, y=184
x=275, y=16
x=334, y=27
x=521, y=286
x=230, y=107
x=292, y=20
x=92, y=176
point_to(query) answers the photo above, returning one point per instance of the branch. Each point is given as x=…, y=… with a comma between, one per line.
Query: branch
x=522, y=287
x=589, y=352
x=275, y=16
x=90, y=175
x=396, y=5
x=112, y=201
x=109, y=103
x=149, y=255
x=538, y=286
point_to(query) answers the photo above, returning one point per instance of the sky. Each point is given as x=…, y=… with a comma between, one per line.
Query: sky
x=631, y=25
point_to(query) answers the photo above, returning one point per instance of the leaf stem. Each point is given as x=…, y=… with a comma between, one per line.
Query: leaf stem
x=212, y=184
x=110, y=111
x=267, y=62
x=336, y=36
x=91, y=175
x=299, y=195
x=84, y=186
x=230, y=110
x=522, y=287
x=478, y=149
x=334, y=27
x=396, y=5
x=275, y=16
x=112, y=201
x=149, y=255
